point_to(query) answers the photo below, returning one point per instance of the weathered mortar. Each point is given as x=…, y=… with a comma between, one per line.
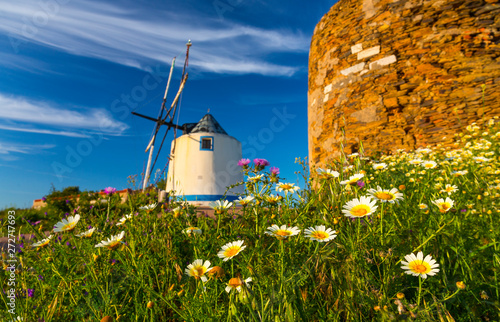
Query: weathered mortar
x=401, y=74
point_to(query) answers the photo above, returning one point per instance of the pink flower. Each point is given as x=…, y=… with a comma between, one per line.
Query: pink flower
x=109, y=190
x=261, y=162
x=274, y=170
x=243, y=162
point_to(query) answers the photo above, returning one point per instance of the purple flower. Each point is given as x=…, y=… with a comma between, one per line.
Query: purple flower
x=274, y=170
x=361, y=184
x=67, y=201
x=68, y=244
x=463, y=210
x=44, y=199
x=91, y=207
x=31, y=292
x=45, y=214
x=89, y=227
x=40, y=277
x=261, y=162
x=244, y=162
x=109, y=190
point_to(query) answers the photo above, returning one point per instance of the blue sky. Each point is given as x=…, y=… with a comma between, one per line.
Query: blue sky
x=72, y=71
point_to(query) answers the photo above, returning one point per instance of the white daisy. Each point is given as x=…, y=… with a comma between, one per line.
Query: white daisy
x=282, y=232
x=444, y=205
x=149, y=207
x=429, y=164
x=386, y=195
x=220, y=206
x=286, y=187
x=255, y=178
x=87, y=233
x=192, y=230
x=327, y=173
x=379, y=166
x=449, y=189
x=123, y=220
x=113, y=242
x=198, y=269
x=67, y=224
x=361, y=207
x=420, y=266
x=353, y=179
x=245, y=201
x=42, y=243
x=231, y=249
x=320, y=233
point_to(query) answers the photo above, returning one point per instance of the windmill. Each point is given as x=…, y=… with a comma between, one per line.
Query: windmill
x=165, y=117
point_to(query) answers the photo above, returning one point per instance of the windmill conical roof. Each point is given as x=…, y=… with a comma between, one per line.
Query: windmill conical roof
x=208, y=124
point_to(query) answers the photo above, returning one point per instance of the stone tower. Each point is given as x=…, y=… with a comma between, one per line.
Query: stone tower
x=393, y=74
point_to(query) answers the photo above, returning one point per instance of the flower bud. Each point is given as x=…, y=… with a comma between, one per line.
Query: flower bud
x=461, y=285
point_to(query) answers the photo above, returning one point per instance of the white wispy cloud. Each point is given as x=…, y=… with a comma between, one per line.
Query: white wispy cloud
x=121, y=35
x=9, y=151
x=42, y=131
x=7, y=148
x=20, y=114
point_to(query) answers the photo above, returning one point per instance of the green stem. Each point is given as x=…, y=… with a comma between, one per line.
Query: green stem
x=419, y=290
x=382, y=224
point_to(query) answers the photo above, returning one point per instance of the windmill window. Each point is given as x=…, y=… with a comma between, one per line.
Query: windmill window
x=207, y=143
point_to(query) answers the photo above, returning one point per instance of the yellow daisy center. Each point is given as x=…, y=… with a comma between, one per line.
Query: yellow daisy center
x=420, y=267
x=384, y=196
x=114, y=244
x=283, y=233
x=429, y=165
x=444, y=207
x=359, y=211
x=320, y=235
x=68, y=226
x=45, y=243
x=232, y=251
x=198, y=271
x=286, y=187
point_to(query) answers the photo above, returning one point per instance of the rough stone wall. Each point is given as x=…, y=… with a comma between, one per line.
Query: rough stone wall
x=401, y=74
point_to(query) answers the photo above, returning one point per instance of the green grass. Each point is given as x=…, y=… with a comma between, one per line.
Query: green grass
x=355, y=277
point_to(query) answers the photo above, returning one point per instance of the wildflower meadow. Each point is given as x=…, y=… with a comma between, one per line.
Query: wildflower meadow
x=411, y=235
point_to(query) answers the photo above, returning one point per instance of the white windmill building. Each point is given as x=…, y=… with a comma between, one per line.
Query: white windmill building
x=204, y=162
